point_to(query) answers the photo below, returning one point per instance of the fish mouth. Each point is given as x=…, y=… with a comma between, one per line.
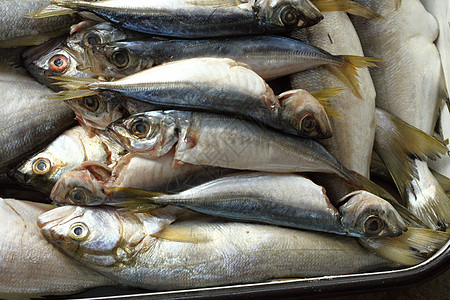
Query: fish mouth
x=310, y=16
x=114, y=130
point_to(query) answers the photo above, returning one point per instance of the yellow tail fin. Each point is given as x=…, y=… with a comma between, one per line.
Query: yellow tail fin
x=349, y=6
x=324, y=97
x=412, y=247
x=51, y=11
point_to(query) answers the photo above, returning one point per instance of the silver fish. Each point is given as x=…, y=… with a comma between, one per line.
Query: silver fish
x=410, y=86
x=213, y=84
x=31, y=267
x=269, y=56
x=28, y=120
x=199, y=18
x=151, y=251
x=71, y=148
x=278, y=199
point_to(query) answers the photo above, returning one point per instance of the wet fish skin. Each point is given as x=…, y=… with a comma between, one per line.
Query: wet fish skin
x=278, y=199
x=28, y=120
x=32, y=267
x=68, y=150
x=201, y=18
x=218, y=253
x=18, y=26
x=269, y=56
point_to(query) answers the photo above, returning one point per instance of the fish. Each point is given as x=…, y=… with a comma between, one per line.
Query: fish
x=198, y=18
x=32, y=267
x=28, y=119
x=410, y=86
x=270, y=57
x=222, y=141
x=18, y=30
x=212, y=84
x=279, y=199
x=144, y=250
x=89, y=183
x=71, y=148
x=353, y=133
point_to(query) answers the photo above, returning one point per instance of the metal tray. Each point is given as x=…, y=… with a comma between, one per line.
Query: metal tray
x=309, y=287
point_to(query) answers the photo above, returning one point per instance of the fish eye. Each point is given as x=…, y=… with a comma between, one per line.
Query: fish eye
x=41, y=166
x=308, y=123
x=373, y=225
x=78, y=231
x=289, y=16
x=120, y=58
x=78, y=196
x=92, y=39
x=91, y=103
x=140, y=128
x=58, y=63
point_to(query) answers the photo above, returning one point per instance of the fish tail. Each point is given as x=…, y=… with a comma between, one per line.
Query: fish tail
x=73, y=3
x=443, y=181
x=398, y=3
x=348, y=6
x=349, y=70
x=326, y=95
x=410, y=248
x=51, y=11
x=76, y=87
x=135, y=200
x=397, y=142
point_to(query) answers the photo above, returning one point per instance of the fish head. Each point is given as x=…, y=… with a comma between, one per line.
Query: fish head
x=98, y=111
x=151, y=134
x=289, y=14
x=116, y=59
x=305, y=114
x=82, y=185
x=51, y=59
x=366, y=215
x=95, y=35
x=90, y=234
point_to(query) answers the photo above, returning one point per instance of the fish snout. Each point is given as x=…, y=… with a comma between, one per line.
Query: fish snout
x=310, y=15
x=48, y=220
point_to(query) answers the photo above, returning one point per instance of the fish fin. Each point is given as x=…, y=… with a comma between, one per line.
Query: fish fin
x=324, y=97
x=348, y=72
x=443, y=181
x=348, y=6
x=412, y=247
x=32, y=40
x=133, y=199
x=182, y=234
x=216, y=3
x=51, y=11
x=398, y=3
x=72, y=94
x=397, y=143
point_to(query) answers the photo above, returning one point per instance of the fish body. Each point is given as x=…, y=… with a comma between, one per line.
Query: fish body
x=211, y=84
x=278, y=199
x=354, y=129
x=195, y=19
x=269, y=56
x=30, y=266
x=19, y=30
x=28, y=120
x=155, y=253
x=409, y=85
x=71, y=148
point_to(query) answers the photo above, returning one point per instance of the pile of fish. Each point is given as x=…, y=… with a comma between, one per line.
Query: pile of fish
x=198, y=143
